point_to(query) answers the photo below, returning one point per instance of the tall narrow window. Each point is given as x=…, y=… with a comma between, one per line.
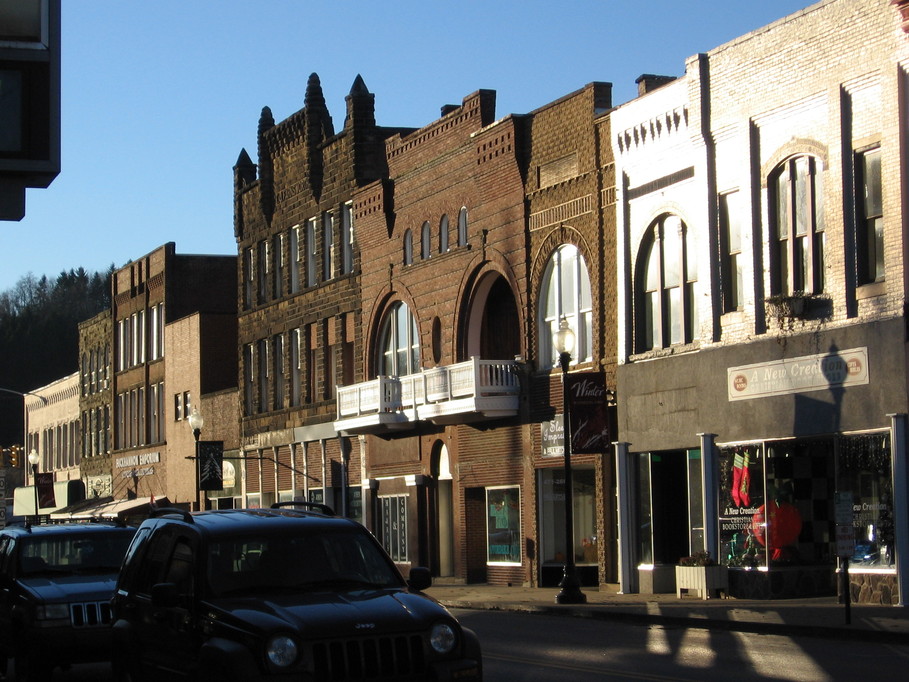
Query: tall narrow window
x=731, y=245
x=347, y=238
x=462, y=227
x=296, y=368
x=328, y=246
x=797, y=259
x=408, y=247
x=311, y=253
x=666, y=282
x=249, y=379
x=296, y=254
x=262, y=271
x=870, y=218
x=278, y=362
x=277, y=257
x=566, y=293
x=425, y=241
x=399, y=343
x=262, y=353
x=249, y=277
x=443, y=234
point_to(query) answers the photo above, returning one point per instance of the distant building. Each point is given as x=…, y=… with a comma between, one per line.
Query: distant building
x=173, y=341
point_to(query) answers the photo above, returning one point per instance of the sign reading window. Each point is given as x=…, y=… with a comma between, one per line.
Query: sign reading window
x=503, y=525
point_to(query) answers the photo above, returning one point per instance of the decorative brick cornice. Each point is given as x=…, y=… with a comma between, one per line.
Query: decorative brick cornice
x=903, y=7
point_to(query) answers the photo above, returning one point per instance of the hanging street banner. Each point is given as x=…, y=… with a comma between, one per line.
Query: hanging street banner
x=589, y=423
x=210, y=464
x=45, y=483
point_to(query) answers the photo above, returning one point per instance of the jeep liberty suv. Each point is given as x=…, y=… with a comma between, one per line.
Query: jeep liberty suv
x=292, y=592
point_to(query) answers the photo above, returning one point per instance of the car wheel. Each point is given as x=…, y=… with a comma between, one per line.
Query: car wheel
x=31, y=669
x=123, y=672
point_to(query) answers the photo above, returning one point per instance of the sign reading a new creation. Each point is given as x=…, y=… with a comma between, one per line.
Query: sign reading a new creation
x=838, y=368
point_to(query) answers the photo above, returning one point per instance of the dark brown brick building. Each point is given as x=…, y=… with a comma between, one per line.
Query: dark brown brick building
x=395, y=289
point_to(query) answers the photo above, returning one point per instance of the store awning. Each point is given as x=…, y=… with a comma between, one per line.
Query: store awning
x=108, y=508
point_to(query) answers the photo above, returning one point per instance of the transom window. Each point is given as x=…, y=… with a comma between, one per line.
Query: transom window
x=797, y=219
x=667, y=275
x=566, y=294
x=399, y=343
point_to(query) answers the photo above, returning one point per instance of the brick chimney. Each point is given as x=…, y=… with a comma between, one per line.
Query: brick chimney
x=648, y=82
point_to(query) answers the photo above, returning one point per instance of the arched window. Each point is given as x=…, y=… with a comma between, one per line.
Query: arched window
x=408, y=247
x=797, y=232
x=399, y=343
x=666, y=279
x=443, y=234
x=566, y=293
x=462, y=227
x=425, y=241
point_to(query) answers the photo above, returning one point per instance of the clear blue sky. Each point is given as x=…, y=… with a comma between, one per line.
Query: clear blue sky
x=158, y=98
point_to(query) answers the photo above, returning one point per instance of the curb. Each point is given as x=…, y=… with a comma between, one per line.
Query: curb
x=844, y=631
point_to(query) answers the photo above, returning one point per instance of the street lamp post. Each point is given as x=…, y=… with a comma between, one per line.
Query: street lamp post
x=33, y=459
x=570, y=592
x=196, y=422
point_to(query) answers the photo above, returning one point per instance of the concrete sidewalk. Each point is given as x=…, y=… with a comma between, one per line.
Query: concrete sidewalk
x=817, y=617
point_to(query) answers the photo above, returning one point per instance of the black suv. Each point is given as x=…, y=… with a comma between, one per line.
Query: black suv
x=290, y=593
x=56, y=584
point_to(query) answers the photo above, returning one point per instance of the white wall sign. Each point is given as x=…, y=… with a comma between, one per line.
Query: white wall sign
x=838, y=368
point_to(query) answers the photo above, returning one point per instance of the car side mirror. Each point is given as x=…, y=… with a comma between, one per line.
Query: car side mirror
x=164, y=595
x=419, y=579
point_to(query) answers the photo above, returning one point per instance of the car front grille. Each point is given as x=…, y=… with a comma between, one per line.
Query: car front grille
x=90, y=614
x=373, y=658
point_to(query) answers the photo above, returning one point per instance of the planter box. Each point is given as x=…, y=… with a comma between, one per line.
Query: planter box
x=703, y=579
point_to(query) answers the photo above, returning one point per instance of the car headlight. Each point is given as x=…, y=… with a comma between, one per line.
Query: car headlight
x=52, y=612
x=442, y=638
x=281, y=651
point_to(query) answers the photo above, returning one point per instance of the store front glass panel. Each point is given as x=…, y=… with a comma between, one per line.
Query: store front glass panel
x=552, y=516
x=503, y=525
x=864, y=470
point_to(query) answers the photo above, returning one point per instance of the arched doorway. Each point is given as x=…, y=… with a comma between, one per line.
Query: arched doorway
x=494, y=329
x=443, y=504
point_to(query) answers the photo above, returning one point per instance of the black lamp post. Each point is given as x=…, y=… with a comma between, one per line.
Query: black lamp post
x=196, y=422
x=570, y=592
x=33, y=459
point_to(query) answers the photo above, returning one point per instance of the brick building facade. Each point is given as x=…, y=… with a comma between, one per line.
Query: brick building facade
x=390, y=321
x=762, y=371
x=153, y=299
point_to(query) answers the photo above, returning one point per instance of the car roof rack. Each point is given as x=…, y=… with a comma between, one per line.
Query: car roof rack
x=171, y=511
x=314, y=506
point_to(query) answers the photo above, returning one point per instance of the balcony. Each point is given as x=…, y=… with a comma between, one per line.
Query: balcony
x=475, y=390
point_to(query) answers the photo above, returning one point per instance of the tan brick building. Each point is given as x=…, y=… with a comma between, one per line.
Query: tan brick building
x=762, y=373
x=173, y=343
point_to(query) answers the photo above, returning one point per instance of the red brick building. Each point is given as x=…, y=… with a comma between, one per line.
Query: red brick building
x=396, y=287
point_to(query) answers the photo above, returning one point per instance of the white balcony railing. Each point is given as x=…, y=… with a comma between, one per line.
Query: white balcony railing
x=474, y=389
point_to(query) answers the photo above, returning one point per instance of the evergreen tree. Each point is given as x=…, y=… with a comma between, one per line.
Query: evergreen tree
x=39, y=335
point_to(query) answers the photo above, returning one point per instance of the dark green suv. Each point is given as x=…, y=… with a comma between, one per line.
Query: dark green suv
x=291, y=592
x=56, y=583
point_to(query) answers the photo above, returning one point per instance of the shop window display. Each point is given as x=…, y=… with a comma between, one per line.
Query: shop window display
x=503, y=525
x=864, y=471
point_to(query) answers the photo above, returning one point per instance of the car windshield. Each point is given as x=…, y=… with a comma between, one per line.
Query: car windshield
x=328, y=560
x=74, y=552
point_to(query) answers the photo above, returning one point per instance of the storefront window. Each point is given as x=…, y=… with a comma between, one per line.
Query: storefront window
x=777, y=503
x=741, y=498
x=552, y=516
x=503, y=525
x=864, y=471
